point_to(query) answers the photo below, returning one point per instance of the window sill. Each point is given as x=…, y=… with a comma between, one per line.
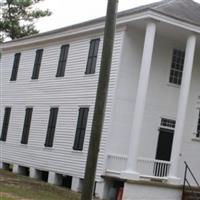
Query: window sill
x=90, y=75
x=48, y=148
x=77, y=151
x=196, y=139
x=34, y=80
x=173, y=85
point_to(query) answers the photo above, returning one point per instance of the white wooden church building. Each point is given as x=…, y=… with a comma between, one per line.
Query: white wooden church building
x=152, y=120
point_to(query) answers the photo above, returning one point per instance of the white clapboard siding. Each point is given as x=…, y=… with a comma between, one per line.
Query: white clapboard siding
x=68, y=93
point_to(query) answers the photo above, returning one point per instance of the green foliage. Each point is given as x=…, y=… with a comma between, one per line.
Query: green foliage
x=18, y=18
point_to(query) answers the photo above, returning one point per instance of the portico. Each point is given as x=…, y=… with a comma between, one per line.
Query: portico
x=132, y=166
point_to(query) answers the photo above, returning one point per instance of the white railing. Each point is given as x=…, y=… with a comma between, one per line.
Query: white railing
x=151, y=168
x=146, y=167
x=116, y=163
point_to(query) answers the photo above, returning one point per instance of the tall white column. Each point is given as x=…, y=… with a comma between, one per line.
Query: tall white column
x=182, y=105
x=131, y=170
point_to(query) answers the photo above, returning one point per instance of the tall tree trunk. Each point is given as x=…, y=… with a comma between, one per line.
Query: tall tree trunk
x=100, y=104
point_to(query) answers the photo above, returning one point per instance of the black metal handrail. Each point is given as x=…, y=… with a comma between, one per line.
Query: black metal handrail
x=187, y=169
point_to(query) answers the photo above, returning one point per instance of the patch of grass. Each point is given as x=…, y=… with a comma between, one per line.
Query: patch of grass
x=6, y=198
x=16, y=187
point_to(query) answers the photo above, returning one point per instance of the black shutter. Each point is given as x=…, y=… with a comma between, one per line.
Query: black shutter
x=92, y=56
x=80, y=129
x=37, y=64
x=51, y=127
x=62, y=61
x=15, y=67
x=27, y=124
x=198, y=126
x=5, y=123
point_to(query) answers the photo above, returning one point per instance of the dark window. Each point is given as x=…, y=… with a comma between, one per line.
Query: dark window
x=5, y=124
x=80, y=129
x=198, y=126
x=168, y=123
x=37, y=64
x=177, y=67
x=51, y=127
x=15, y=67
x=92, y=56
x=27, y=124
x=62, y=61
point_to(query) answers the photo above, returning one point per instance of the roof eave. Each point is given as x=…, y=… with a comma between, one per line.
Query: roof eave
x=98, y=24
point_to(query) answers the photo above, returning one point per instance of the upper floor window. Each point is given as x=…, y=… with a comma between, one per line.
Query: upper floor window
x=15, y=67
x=92, y=56
x=5, y=124
x=198, y=126
x=27, y=124
x=36, y=68
x=62, y=60
x=80, y=129
x=51, y=127
x=177, y=67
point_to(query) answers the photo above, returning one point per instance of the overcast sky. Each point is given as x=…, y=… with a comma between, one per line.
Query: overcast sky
x=68, y=12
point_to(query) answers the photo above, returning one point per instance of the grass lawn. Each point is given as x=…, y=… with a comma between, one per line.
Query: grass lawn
x=16, y=187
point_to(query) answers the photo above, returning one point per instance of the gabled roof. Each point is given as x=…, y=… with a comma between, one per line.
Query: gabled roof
x=187, y=11
x=184, y=10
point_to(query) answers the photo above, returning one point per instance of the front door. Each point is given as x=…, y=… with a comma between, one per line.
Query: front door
x=164, y=148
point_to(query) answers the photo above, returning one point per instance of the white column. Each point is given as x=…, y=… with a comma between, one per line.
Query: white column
x=76, y=184
x=1, y=165
x=52, y=178
x=182, y=105
x=131, y=170
x=16, y=169
x=99, y=192
x=33, y=173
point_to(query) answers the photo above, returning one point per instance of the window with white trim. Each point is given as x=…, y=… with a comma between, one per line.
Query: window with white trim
x=177, y=67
